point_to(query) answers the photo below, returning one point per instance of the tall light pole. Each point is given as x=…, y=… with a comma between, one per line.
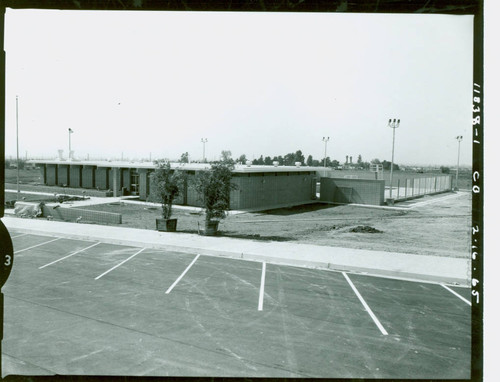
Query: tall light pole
x=17, y=151
x=325, y=139
x=70, y=131
x=459, y=139
x=393, y=124
x=204, y=140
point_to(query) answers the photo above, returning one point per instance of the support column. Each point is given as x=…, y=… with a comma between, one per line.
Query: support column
x=115, y=182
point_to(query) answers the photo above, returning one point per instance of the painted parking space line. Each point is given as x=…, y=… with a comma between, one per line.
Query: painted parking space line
x=365, y=305
x=456, y=294
x=117, y=265
x=22, y=234
x=38, y=245
x=71, y=254
x=182, y=275
x=262, y=282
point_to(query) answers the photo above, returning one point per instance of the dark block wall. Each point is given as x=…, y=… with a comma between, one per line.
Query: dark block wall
x=267, y=190
x=75, y=176
x=126, y=178
x=191, y=194
x=361, y=191
x=63, y=175
x=102, y=178
x=143, y=183
x=51, y=175
x=43, y=173
x=88, y=177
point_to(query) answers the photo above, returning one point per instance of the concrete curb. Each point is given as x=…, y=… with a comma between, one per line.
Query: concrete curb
x=394, y=265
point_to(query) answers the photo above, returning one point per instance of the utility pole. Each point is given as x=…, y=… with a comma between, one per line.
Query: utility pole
x=204, y=140
x=325, y=139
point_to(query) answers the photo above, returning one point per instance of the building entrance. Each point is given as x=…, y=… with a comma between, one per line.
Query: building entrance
x=134, y=182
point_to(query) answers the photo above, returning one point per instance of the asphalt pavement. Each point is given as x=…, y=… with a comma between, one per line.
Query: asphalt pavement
x=88, y=307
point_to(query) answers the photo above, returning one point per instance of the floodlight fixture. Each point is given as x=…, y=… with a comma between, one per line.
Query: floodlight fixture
x=70, y=131
x=393, y=124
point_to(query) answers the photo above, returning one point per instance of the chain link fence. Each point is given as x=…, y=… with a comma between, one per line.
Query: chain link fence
x=403, y=189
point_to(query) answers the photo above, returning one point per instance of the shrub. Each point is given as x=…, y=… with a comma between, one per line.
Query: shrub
x=166, y=185
x=213, y=187
x=445, y=170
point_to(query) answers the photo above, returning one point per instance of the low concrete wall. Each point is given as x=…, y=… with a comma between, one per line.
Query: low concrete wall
x=72, y=214
x=360, y=191
x=59, y=190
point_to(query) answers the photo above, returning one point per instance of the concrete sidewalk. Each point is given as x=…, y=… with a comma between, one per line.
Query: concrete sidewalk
x=391, y=264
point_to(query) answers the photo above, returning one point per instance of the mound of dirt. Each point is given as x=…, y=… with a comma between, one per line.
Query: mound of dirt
x=365, y=229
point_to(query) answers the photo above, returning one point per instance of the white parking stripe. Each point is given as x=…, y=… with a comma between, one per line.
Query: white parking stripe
x=65, y=257
x=374, y=318
x=182, y=275
x=23, y=234
x=456, y=294
x=116, y=266
x=38, y=245
x=262, y=282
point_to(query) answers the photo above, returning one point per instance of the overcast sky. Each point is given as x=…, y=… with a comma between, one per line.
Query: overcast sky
x=252, y=83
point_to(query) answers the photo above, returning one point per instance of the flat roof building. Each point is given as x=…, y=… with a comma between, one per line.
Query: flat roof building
x=257, y=186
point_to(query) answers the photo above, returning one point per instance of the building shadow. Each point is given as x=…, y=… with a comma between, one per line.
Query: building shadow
x=286, y=211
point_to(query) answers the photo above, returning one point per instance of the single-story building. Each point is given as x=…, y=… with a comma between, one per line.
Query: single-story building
x=257, y=187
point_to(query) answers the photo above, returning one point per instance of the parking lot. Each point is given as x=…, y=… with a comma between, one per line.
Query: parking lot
x=90, y=308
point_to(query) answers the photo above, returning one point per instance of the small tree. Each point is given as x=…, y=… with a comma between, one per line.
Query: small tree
x=309, y=160
x=242, y=159
x=166, y=185
x=184, y=157
x=445, y=169
x=213, y=187
x=226, y=157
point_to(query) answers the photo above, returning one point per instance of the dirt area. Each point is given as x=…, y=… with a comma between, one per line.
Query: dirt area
x=441, y=228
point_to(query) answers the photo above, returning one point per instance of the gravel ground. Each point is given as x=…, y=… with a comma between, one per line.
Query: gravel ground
x=441, y=228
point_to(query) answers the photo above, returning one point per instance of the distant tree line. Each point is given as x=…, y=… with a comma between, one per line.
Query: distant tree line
x=291, y=158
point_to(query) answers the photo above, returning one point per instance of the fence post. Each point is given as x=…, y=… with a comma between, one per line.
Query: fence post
x=398, y=189
x=406, y=188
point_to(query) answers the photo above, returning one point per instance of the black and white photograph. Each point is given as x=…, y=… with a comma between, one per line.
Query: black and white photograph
x=260, y=190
